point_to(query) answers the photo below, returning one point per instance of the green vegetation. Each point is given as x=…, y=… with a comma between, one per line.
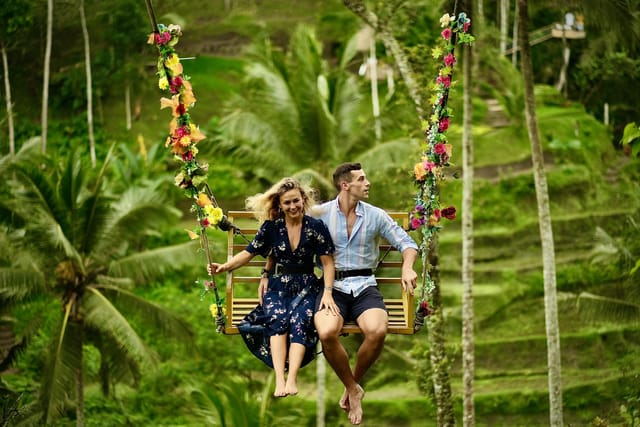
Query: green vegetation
x=593, y=187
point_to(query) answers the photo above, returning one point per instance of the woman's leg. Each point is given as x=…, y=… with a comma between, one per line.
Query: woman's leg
x=296, y=354
x=279, y=356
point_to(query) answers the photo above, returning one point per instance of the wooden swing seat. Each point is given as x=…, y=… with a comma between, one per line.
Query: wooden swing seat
x=242, y=283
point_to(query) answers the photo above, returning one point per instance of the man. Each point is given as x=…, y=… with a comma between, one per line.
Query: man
x=355, y=227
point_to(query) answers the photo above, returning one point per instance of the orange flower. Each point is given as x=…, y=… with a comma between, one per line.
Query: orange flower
x=203, y=200
x=187, y=93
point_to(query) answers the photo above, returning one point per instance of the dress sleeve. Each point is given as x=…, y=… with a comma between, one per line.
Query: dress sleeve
x=263, y=240
x=324, y=242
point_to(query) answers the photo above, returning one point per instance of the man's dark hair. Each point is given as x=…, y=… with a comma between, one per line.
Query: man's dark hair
x=343, y=173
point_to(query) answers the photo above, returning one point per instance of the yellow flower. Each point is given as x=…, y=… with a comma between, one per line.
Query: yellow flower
x=163, y=83
x=185, y=141
x=214, y=310
x=214, y=214
x=173, y=63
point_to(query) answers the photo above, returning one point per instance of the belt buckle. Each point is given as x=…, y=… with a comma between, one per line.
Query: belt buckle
x=278, y=269
x=340, y=275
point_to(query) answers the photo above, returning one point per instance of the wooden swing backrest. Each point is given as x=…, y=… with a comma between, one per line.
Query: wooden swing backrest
x=242, y=283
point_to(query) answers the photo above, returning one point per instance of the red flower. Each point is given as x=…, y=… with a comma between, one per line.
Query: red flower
x=449, y=60
x=446, y=33
x=444, y=80
x=180, y=109
x=444, y=124
x=449, y=213
x=425, y=309
x=466, y=26
x=176, y=84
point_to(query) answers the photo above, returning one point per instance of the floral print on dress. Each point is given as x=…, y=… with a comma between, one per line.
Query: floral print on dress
x=277, y=316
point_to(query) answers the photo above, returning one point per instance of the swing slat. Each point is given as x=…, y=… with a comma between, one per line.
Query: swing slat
x=242, y=284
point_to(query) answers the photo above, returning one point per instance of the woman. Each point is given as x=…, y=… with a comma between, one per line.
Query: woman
x=281, y=328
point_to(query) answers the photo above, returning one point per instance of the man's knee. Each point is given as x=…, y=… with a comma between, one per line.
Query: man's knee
x=328, y=329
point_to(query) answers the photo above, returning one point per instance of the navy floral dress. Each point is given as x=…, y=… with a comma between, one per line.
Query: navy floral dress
x=275, y=316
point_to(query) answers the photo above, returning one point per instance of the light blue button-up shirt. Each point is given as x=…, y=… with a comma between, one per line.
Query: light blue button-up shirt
x=361, y=249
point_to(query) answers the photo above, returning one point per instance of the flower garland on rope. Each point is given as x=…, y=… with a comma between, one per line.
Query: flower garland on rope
x=436, y=153
x=183, y=138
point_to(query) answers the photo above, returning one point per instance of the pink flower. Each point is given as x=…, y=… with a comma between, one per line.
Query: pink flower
x=446, y=33
x=444, y=80
x=188, y=156
x=437, y=213
x=444, y=124
x=466, y=26
x=439, y=148
x=429, y=166
x=449, y=213
x=416, y=223
x=449, y=60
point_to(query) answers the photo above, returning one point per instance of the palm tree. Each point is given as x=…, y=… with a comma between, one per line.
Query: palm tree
x=83, y=248
x=301, y=117
x=546, y=230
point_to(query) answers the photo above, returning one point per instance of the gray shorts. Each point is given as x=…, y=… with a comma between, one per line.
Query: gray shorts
x=352, y=307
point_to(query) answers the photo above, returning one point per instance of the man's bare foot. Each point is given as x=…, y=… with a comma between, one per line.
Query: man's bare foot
x=355, y=405
x=291, y=389
x=344, y=401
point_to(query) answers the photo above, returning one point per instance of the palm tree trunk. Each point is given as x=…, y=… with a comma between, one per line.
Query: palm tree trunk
x=127, y=105
x=7, y=89
x=546, y=232
x=80, y=384
x=437, y=339
x=504, y=21
x=321, y=374
x=87, y=67
x=468, y=355
x=45, y=79
x=391, y=44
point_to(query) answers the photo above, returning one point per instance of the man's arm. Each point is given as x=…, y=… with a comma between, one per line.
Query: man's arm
x=409, y=276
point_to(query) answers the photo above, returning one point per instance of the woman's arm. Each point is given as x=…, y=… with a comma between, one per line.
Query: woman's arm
x=329, y=272
x=240, y=259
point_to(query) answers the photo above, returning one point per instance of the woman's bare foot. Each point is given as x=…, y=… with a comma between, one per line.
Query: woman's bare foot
x=355, y=405
x=344, y=401
x=281, y=389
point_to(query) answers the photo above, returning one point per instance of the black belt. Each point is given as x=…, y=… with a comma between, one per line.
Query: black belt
x=292, y=269
x=340, y=275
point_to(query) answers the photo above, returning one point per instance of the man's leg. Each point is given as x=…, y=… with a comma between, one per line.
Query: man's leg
x=328, y=327
x=373, y=324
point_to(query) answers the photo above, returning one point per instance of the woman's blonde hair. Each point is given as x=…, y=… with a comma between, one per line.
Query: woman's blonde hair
x=267, y=205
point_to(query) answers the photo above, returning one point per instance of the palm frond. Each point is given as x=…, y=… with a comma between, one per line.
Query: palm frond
x=316, y=181
x=136, y=212
x=59, y=378
x=151, y=314
x=38, y=199
x=145, y=266
x=17, y=285
x=115, y=365
x=102, y=316
x=594, y=307
x=389, y=154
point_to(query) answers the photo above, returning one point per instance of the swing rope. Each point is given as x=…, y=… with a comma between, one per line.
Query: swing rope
x=183, y=137
x=435, y=157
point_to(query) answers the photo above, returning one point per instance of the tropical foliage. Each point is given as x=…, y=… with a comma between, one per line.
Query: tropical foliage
x=300, y=116
x=77, y=252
